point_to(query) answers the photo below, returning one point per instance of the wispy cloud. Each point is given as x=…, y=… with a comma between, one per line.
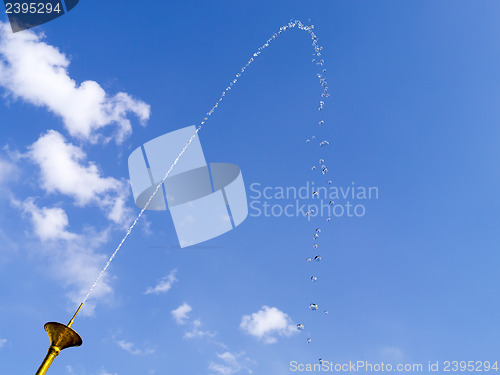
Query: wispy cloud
x=231, y=364
x=130, y=348
x=8, y=171
x=181, y=314
x=77, y=264
x=37, y=72
x=102, y=371
x=196, y=331
x=105, y=372
x=163, y=285
x=392, y=353
x=267, y=323
x=69, y=257
x=2, y=342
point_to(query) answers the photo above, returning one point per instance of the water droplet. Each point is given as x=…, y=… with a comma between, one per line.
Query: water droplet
x=308, y=259
x=324, y=70
x=326, y=312
x=316, y=235
x=329, y=182
x=308, y=340
x=323, y=143
x=318, y=230
x=331, y=203
x=321, y=161
x=315, y=193
x=300, y=327
x=324, y=170
x=328, y=218
x=314, y=278
x=315, y=245
x=317, y=258
x=313, y=307
x=313, y=168
x=321, y=123
x=320, y=360
x=313, y=137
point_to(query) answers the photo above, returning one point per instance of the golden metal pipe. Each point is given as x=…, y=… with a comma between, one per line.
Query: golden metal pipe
x=61, y=337
x=74, y=316
x=47, y=361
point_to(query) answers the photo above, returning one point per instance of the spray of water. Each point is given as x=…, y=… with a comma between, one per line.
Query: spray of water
x=317, y=55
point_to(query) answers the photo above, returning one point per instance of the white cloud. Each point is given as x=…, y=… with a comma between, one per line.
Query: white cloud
x=8, y=246
x=266, y=323
x=197, y=332
x=180, y=314
x=220, y=369
x=129, y=347
x=77, y=265
x=48, y=223
x=163, y=285
x=392, y=353
x=232, y=364
x=2, y=342
x=37, y=72
x=104, y=372
x=63, y=169
x=69, y=257
x=8, y=171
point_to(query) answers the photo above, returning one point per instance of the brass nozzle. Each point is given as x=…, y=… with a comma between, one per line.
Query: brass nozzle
x=61, y=337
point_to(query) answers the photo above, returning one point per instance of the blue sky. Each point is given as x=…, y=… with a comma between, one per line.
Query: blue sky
x=413, y=112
